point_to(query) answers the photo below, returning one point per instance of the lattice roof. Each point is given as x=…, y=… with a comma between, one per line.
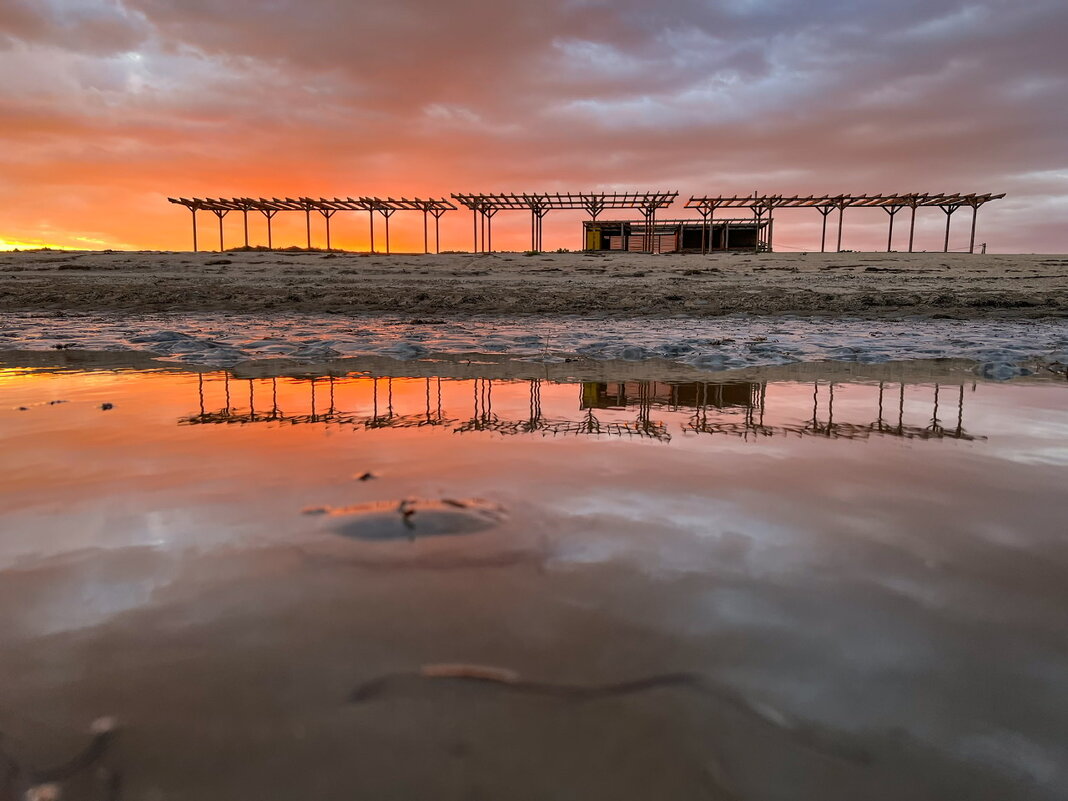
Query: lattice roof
x=592, y=202
x=315, y=204
x=838, y=201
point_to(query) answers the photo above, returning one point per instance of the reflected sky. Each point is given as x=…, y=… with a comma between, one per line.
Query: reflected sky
x=885, y=562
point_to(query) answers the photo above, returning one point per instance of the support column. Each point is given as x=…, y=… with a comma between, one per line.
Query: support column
x=194, y=229
x=824, y=212
x=949, y=217
x=307, y=223
x=269, y=215
x=220, y=214
x=841, y=214
x=437, y=231
x=371, y=217
x=244, y=212
x=327, y=214
x=912, y=226
x=726, y=234
x=971, y=239
x=426, y=235
x=387, y=213
x=474, y=229
x=892, y=211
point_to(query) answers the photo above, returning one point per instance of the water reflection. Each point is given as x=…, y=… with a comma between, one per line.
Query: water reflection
x=645, y=409
x=856, y=568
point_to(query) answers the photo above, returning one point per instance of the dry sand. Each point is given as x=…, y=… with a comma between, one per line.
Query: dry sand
x=862, y=284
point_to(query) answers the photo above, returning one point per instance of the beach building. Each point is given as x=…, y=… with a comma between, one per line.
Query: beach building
x=676, y=236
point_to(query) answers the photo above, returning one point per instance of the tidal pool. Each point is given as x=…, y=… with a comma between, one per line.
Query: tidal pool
x=394, y=588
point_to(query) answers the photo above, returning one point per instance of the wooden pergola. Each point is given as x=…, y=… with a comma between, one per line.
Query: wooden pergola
x=327, y=207
x=484, y=206
x=767, y=204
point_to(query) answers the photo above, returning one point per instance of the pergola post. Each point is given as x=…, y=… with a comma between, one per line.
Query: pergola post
x=387, y=213
x=841, y=214
x=327, y=214
x=426, y=233
x=220, y=213
x=193, y=209
x=891, y=210
x=244, y=213
x=824, y=212
x=912, y=225
x=371, y=217
x=726, y=235
x=307, y=222
x=437, y=229
x=948, y=209
x=269, y=214
x=971, y=239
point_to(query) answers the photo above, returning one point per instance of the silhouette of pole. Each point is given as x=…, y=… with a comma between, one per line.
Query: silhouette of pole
x=892, y=211
x=307, y=222
x=327, y=214
x=371, y=217
x=912, y=226
x=244, y=212
x=971, y=239
x=949, y=217
x=474, y=230
x=426, y=234
x=841, y=214
x=269, y=215
x=194, y=228
x=220, y=213
x=825, y=212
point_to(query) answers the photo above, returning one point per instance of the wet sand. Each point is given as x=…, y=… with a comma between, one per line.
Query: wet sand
x=938, y=285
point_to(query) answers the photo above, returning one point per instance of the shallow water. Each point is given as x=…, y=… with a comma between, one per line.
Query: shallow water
x=1001, y=349
x=861, y=586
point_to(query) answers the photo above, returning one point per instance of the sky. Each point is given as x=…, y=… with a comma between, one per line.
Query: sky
x=107, y=107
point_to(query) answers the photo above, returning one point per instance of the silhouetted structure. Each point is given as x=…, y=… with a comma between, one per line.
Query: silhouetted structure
x=704, y=234
x=484, y=207
x=765, y=205
x=269, y=207
x=676, y=236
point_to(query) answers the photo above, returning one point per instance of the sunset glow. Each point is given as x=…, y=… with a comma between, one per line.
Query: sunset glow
x=109, y=106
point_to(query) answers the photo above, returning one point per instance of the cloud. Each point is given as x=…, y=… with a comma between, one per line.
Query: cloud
x=132, y=100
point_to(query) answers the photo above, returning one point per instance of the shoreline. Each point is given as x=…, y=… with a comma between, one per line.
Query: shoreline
x=876, y=286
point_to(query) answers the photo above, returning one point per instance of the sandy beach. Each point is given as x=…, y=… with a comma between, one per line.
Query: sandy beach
x=938, y=285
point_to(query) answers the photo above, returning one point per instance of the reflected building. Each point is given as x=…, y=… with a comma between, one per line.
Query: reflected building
x=646, y=409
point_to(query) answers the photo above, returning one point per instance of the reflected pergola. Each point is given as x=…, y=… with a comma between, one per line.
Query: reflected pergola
x=712, y=408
